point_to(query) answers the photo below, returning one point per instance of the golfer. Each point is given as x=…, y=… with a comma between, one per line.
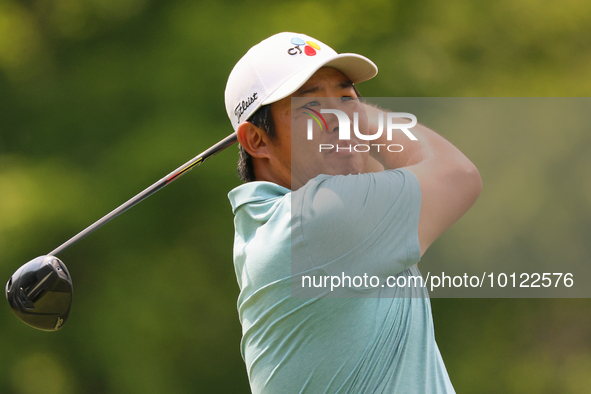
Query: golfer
x=306, y=215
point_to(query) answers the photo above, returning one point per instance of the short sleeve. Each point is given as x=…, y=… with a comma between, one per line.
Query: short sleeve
x=357, y=224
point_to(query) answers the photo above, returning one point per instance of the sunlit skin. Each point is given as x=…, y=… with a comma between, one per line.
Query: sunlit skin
x=290, y=159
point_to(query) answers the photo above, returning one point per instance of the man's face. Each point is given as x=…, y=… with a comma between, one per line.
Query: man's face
x=298, y=159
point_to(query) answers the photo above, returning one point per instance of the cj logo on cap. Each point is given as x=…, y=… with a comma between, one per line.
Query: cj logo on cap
x=310, y=47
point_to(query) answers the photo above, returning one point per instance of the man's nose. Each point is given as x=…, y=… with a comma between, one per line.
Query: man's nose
x=337, y=120
x=332, y=123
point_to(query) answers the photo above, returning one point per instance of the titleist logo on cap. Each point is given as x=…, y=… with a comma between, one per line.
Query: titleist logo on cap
x=243, y=105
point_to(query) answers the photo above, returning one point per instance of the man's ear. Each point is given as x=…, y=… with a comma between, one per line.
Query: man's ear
x=253, y=139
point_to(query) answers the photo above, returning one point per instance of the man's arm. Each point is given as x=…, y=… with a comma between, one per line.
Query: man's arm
x=450, y=182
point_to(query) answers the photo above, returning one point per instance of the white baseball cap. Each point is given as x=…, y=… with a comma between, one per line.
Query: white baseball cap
x=279, y=65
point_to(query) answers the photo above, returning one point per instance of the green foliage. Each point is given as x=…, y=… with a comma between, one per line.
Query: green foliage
x=100, y=98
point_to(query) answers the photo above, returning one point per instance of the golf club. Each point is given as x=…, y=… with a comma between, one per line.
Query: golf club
x=40, y=291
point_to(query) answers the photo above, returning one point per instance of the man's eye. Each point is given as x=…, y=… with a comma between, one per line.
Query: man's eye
x=348, y=98
x=312, y=104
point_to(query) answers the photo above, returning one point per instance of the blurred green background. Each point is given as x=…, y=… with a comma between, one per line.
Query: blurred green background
x=101, y=98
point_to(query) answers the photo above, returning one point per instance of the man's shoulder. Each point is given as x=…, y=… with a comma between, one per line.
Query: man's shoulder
x=350, y=208
x=352, y=189
x=253, y=192
x=357, y=223
x=323, y=188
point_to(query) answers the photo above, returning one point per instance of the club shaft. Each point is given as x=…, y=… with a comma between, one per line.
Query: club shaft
x=223, y=144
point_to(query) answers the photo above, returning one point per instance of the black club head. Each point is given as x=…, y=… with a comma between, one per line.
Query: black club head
x=40, y=293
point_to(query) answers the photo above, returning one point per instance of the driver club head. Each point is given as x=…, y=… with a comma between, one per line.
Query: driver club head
x=40, y=293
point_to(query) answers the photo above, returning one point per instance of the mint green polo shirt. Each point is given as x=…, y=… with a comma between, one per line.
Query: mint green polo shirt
x=360, y=338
